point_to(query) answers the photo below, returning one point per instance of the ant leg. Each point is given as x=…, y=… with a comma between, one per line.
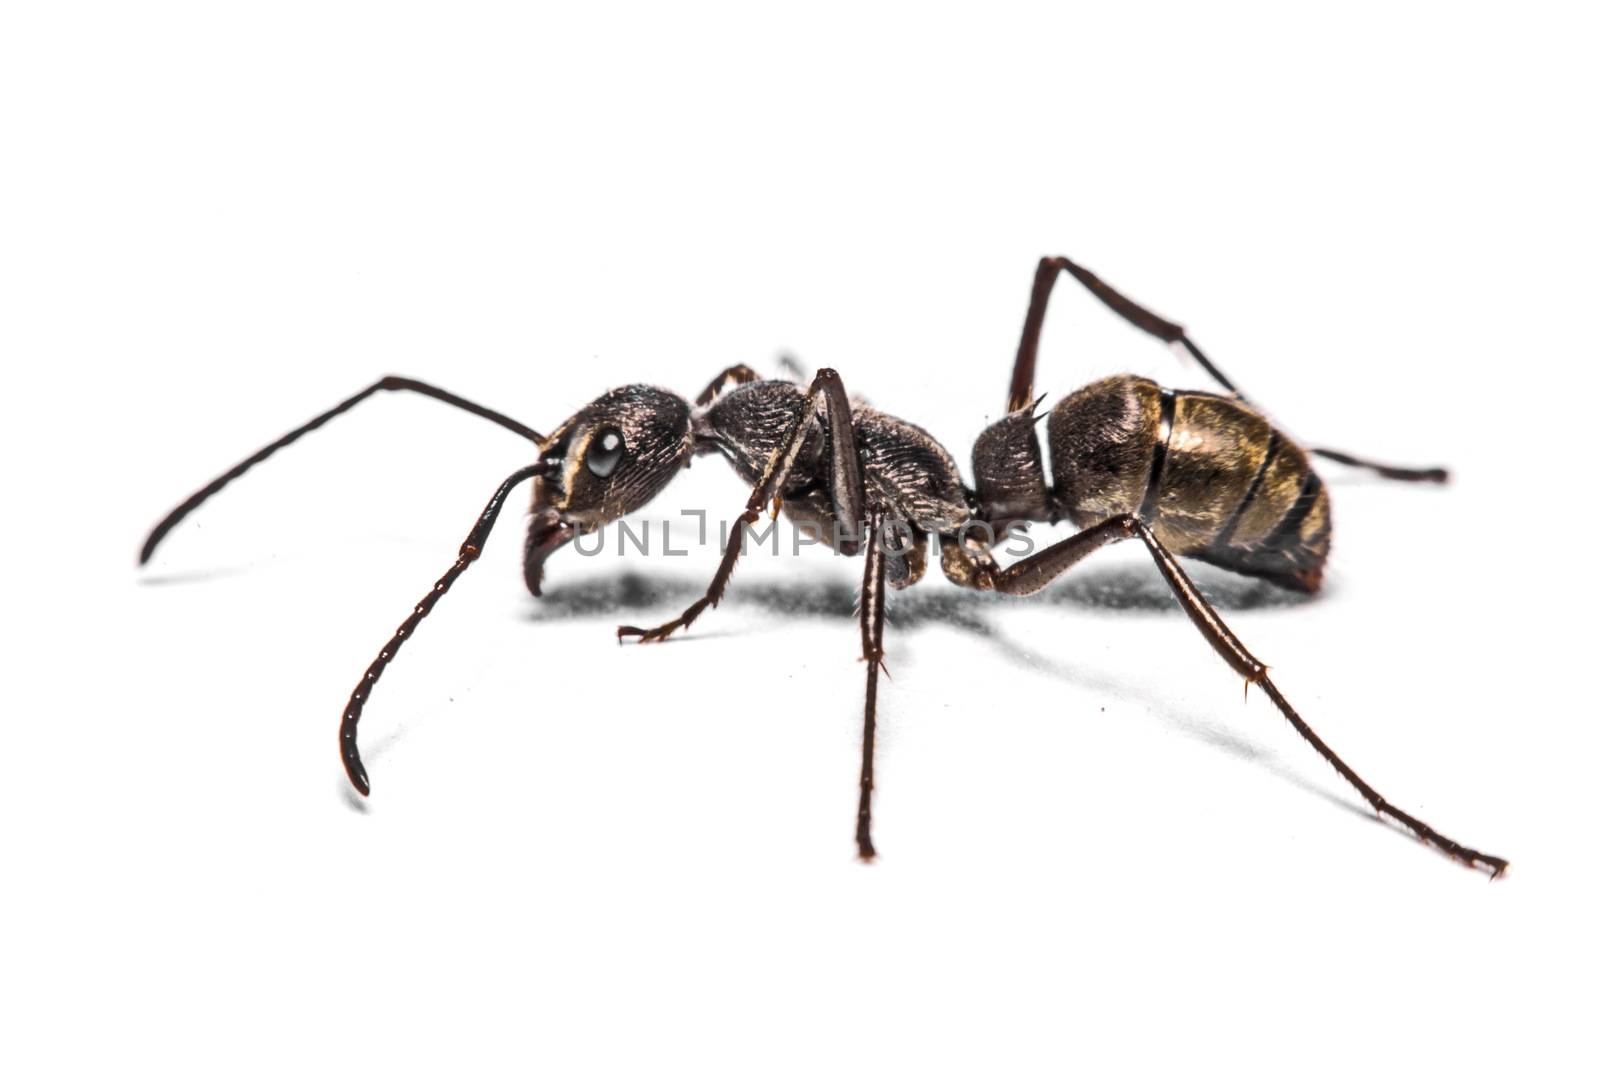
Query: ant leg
x=1383, y=470
x=846, y=491
x=872, y=610
x=389, y=384
x=795, y=371
x=1022, y=373
x=1044, y=281
x=470, y=550
x=1034, y=573
x=737, y=374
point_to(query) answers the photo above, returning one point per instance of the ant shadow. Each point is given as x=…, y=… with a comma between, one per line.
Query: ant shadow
x=1132, y=587
x=197, y=577
x=1128, y=588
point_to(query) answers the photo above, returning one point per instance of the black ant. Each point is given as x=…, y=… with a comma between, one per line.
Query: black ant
x=1185, y=473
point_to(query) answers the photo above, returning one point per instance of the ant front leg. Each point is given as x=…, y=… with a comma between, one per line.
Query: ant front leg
x=1032, y=574
x=846, y=487
x=1022, y=373
x=737, y=374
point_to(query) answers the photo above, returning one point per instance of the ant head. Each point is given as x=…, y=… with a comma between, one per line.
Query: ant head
x=605, y=461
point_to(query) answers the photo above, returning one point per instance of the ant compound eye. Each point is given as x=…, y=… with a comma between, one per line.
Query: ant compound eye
x=605, y=451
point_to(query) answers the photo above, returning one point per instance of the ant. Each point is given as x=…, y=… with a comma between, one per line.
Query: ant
x=1185, y=473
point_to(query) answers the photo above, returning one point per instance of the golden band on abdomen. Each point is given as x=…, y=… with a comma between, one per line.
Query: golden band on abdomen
x=1151, y=500
x=1230, y=530
x=1216, y=449
x=1295, y=547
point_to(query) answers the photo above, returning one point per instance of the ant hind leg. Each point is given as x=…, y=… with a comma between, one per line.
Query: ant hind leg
x=1038, y=570
x=1023, y=371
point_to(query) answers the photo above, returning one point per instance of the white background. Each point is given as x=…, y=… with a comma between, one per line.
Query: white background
x=1380, y=220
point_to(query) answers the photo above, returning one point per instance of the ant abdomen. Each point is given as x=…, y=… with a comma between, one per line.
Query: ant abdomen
x=1209, y=474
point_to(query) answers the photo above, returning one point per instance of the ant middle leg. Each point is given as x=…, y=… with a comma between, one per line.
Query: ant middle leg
x=872, y=613
x=1032, y=574
x=1023, y=371
x=847, y=493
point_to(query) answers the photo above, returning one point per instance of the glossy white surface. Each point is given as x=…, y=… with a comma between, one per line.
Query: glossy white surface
x=1091, y=846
